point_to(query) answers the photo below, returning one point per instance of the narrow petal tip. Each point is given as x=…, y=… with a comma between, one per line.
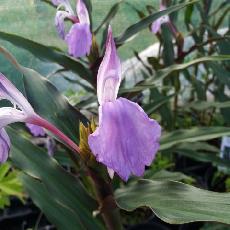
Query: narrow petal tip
x=109, y=73
x=82, y=12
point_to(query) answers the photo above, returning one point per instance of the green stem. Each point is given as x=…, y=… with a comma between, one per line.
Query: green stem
x=108, y=207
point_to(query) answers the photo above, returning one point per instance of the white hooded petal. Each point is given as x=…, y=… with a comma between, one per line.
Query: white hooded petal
x=109, y=73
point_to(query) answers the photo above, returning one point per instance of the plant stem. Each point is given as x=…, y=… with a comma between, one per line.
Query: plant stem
x=108, y=207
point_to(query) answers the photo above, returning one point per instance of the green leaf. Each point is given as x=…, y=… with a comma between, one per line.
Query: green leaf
x=11, y=189
x=58, y=214
x=4, y=168
x=167, y=43
x=205, y=153
x=203, y=105
x=48, y=54
x=47, y=101
x=142, y=24
x=202, y=156
x=221, y=73
x=188, y=14
x=9, y=185
x=163, y=73
x=164, y=110
x=49, y=179
x=175, y=202
x=111, y=14
x=152, y=107
x=167, y=175
x=192, y=135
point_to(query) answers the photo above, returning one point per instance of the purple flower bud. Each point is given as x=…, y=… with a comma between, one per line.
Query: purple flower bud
x=156, y=25
x=59, y=22
x=126, y=139
x=36, y=130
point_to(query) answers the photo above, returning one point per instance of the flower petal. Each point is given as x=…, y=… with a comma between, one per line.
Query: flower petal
x=82, y=12
x=79, y=40
x=58, y=2
x=10, y=115
x=10, y=92
x=109, y=73
x=156, y=25
x=36, y=130
x=126, y=139
x=4, y=145
x=59, y=22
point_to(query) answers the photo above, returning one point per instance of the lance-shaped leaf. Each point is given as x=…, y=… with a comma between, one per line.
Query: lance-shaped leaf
x=21, y=112
x=192, y=135
x=175, y=202
x=111, y=14
x=144, y=23
x=163, y=73
x=55, y=187
x=48, y=54
x=47, y=101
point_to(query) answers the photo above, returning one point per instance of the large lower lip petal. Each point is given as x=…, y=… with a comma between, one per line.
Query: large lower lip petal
x=126, y=139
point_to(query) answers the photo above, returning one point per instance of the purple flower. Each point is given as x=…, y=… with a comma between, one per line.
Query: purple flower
x=36, y=130
x=4, y=145
x=79, y=38
x=47, y=141
x=156, y=25
x=126, y=139
x=58, y=2
x=21, y=111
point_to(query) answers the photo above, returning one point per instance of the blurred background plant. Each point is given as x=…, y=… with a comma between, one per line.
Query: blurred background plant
x=179, y=76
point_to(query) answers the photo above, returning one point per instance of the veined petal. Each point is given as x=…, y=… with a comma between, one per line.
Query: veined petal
x=4, y=145
x=10, y=92
x=59, y=22
x=58, y=2
x=36, y=130
x=82, y=12
x=126, y=139
x=109, y=73
x=79, y=40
